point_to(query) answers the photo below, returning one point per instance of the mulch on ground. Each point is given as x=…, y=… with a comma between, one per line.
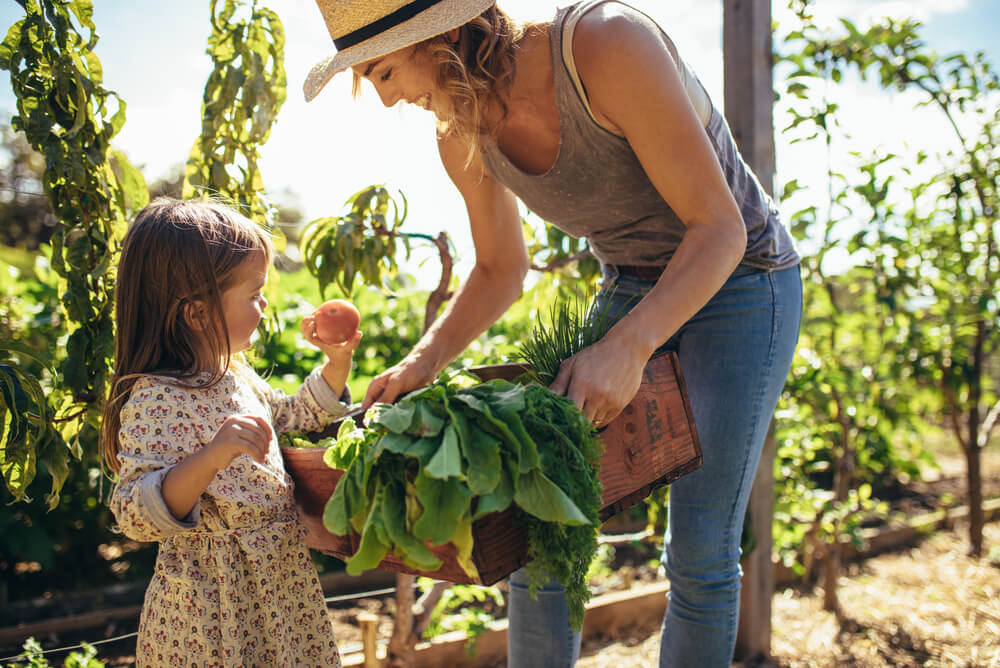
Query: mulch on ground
x=930, y=605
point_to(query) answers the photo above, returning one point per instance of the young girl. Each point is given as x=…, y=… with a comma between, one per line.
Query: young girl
x=191, y=430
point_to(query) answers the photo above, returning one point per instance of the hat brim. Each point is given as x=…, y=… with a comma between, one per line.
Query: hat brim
x=440, y=17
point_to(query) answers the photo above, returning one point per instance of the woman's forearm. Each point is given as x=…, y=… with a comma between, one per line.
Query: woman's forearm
x=699, y=267
x=482, y=300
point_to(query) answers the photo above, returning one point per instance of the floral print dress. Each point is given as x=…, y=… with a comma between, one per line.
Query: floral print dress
x=233, y=584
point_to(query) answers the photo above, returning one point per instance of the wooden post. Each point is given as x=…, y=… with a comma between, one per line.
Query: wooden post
x=749, y=98
x=369, y=638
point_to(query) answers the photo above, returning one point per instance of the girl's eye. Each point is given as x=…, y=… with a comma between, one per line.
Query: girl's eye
x=386, y=75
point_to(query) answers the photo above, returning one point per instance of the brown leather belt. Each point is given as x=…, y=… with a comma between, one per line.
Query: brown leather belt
x=643, y=273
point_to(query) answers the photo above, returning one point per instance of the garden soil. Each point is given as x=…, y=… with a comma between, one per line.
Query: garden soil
x=928, y=604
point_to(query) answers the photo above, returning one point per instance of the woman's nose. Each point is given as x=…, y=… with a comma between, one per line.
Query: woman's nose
x=388, y=97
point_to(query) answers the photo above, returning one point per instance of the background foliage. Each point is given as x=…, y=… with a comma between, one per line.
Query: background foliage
x=897, y=343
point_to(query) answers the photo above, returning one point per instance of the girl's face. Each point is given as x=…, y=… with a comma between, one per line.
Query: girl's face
x=407, y=75
x=243, y=303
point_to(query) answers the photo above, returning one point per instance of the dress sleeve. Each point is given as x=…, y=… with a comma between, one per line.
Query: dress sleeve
x=155, y=435
x=313, y=407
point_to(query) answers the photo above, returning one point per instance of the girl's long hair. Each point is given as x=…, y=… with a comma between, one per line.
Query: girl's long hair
x=177, y=259
x=475, y=73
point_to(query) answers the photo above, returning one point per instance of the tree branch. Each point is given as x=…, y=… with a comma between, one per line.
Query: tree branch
x=441, y=294
x=562, y=262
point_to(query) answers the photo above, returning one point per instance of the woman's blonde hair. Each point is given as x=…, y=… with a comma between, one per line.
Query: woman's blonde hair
x=177, y=259
x=475, y=73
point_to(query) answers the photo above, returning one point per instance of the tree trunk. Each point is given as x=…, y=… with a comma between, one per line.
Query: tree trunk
x=842, y=479
x=975, y=482
x=974, y=447
x=403, y=643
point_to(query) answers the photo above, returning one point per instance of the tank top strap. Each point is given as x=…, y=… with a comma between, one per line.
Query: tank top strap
x=695, y=91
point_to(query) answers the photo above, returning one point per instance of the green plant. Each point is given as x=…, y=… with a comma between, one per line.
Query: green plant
x=444, y=456
x=242, y=98
x=462, y=608
x=35, y=657
x=930, y=257
x=65, y=114
x=572, y=327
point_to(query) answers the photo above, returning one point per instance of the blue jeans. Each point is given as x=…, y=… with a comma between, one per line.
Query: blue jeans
x=735, y=354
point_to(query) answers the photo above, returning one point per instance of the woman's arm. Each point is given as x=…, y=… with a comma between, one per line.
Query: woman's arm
x=634, y=86
x=491, y=287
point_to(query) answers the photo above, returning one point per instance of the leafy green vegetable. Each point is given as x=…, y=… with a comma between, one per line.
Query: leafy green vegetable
x=445, y=456
x=572, y=327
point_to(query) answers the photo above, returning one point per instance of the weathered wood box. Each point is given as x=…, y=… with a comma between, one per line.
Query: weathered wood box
x=652, y=443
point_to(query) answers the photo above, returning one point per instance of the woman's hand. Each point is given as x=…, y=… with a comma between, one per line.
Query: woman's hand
x=412, y=372
x=601, y=379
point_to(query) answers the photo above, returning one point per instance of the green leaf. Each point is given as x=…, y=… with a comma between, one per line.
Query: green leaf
x=131, y=180
x=372, y=549
x=482, y=454
x=447, y=461
x=497, y=500
x=425, y=421
x=464, y=543
x=335, y=512
x=443, y=502
x=412, y=552
x=539, y=496
x=397, y=417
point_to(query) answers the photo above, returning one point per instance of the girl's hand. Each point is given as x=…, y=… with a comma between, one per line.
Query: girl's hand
x=601, y=380
x=239, y=435
x=188, y=480
x=335, y=351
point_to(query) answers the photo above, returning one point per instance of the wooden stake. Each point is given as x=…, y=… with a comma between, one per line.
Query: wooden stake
x=369, y=638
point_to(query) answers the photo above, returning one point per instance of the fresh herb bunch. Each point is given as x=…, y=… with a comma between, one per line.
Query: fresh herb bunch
x=444, y=456
x=572, y=327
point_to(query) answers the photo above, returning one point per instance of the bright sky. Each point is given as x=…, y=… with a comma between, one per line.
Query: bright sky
x=153, y=55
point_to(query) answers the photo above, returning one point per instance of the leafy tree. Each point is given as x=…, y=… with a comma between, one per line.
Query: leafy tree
x=937, y=257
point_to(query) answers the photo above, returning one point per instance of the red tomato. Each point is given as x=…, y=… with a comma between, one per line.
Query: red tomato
x=336, y=321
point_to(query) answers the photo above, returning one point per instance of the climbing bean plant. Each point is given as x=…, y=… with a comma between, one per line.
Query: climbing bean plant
x=70, y=118
x=242, y=98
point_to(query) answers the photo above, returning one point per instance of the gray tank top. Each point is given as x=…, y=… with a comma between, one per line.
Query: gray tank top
x=598, y=189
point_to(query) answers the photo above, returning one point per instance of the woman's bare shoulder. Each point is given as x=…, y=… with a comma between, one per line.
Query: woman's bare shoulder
x=612, y=29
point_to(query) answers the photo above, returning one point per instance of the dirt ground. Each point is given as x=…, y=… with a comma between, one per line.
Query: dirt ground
x=930, y=605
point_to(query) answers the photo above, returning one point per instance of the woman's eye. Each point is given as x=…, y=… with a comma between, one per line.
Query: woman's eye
x=386, y=75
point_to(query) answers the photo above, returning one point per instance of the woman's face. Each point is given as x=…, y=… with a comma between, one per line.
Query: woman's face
x=407, y=75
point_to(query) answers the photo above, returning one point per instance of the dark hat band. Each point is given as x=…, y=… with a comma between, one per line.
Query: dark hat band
x=404, y=13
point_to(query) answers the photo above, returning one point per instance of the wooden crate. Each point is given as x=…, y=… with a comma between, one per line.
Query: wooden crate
x=499, y=546
x=650, y=444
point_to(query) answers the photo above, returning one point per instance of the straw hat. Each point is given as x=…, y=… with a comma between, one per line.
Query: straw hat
x=366, y=29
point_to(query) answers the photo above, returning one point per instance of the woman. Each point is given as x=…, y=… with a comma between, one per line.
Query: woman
x=596, y=124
